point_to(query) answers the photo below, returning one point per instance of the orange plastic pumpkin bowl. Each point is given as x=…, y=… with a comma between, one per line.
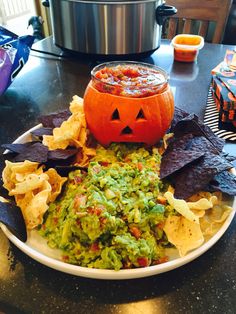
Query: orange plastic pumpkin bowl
x=114, y=118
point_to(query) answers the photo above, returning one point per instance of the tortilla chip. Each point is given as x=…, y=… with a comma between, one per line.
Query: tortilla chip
x=15, y=172
x=184, y=234
x=34, y=206
x=56, y=182
x=212, y=221
x=61, y=154
x=31, y=182
x=68, y=133
x=171, y=162
x=76, y=106
x=203, y=203
x=224, y=182
x=54, y=120
x=32, y=188
x=196, y=177
x=181, y=207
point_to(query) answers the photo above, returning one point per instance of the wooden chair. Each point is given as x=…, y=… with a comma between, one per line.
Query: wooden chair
x=204, y=12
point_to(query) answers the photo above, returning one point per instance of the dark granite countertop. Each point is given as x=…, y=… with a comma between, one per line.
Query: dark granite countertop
x=205, y=285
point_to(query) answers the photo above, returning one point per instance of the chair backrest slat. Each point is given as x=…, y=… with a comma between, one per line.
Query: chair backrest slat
x=172, y=28
x=203, y=11
x=187, y=26
x=203, y=28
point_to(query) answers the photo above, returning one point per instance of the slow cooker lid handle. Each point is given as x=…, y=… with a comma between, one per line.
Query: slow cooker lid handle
x=163, y=11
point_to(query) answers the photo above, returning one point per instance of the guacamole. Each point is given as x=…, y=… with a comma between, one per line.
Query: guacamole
x=111, y=216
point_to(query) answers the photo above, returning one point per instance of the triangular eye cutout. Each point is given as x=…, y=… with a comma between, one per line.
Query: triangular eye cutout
x=140, y=115
x=126, y=130
x=115, y=115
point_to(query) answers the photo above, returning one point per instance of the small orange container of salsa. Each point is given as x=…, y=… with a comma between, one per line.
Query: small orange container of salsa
x=186, y=47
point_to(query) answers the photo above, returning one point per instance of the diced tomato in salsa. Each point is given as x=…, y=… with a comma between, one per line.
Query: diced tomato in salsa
x=129, y=80
x=143, y=261
x=94, y=247
x=136, y=232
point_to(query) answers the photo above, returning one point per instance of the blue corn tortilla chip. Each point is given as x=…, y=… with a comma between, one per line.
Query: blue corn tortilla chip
x=171, y=162
x=36, y=152
x=179, y=114
x=182, y=162
x=203, y=144
x=179, y=142
x=42, y=131
x=17, y=148
x=192, y=125
x=11, y=216
x=196, y=177
x=224, y=182
x=54, y=120
x=62, y=154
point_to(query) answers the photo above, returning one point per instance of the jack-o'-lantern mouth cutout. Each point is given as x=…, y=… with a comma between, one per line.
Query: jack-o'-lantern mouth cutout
x=118, y=114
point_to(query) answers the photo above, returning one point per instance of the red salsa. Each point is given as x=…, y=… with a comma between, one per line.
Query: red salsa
x=129, y=79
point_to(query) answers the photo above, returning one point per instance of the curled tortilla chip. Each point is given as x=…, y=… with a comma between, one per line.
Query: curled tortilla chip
x=181, y=207
x=56, y=182
x=76, y=106
x=203, y=203
x=34, y=206
x=32, y=188
x=72, y=131
x=31, y=182
x=199, y=213
x=214, y=218
x=83, y=156
x=184, y=234
x=16, y=172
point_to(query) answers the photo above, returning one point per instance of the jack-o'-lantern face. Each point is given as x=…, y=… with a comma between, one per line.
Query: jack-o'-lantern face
x=113, y=118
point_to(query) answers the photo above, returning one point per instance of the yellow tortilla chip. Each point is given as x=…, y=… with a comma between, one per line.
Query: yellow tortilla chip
x=16, y=172
x=72, y=131
x=31, y=182
x=184, y=234
x=199, y=213
x=56, y=182
x=67, y=133
x=212, y=221
x=203, y=203
x=76, y=105
x=181, y=207
x=32, y=188
x=34, y=206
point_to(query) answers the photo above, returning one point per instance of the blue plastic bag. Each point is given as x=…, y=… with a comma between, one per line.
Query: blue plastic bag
x=14, y=53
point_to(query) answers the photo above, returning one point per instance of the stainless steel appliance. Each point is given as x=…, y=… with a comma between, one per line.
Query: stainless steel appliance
x=108, y=27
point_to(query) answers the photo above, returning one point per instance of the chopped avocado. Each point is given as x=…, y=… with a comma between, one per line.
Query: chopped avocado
x=109, y=217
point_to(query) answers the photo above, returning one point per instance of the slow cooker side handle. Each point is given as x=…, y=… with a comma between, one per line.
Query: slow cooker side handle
x=46, y=3
x=163, y=12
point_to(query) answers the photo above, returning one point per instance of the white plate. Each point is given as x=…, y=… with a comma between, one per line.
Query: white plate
x=36, y=247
